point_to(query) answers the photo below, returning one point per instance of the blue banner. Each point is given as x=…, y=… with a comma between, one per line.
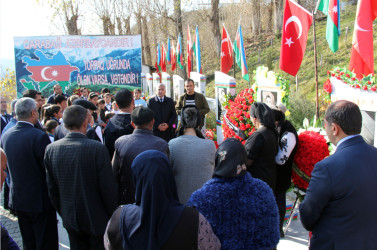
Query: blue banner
x=73, y=62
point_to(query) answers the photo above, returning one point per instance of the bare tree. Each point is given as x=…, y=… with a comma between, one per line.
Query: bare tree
x=216, y=25
x=278, y=15
x=178, y=19
x=255, y=17
x=68, y=13
x=147, y=54
x=105, y=11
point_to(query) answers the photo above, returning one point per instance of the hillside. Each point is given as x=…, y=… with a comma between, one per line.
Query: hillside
x=269, y=55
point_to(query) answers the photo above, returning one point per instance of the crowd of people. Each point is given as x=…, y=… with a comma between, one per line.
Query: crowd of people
x=123, y=173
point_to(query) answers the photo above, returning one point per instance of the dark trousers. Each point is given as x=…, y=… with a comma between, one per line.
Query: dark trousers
x=39, y=230
x=84, y=241
x=281, y=202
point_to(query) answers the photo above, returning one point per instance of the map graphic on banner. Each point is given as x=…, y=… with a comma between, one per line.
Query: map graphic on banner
x=77, y=61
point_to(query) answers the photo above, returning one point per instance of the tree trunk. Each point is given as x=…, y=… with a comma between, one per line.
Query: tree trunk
x=71, y=24
x=106, y=24
x=178, y=18
x=216, y=25
x=255, y=18
x=119, y=26
x=147, y=54
x=278, y=16
x=139, y=30
x=127, y=25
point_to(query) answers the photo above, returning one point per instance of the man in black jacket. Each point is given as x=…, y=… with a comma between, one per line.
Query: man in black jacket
x=120, y=124
x=80, y=182
x=165, y=115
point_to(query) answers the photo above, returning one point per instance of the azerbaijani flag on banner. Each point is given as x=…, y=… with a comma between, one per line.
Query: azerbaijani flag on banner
x=196, y=48
x=331, y=9
x=168, y=58
x=179, y=52
x=240, y=55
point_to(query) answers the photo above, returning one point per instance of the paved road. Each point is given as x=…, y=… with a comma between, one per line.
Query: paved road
x=296, y=237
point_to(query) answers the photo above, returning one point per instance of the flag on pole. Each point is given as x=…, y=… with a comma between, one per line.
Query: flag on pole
x=163, y=59
x=189, y=52
x=331, y=9
x=158, y=58
x=239, y=53
x=168, y=56
x=226, y=62
x=179, y=52
x=173, y=58
x=296, y=24
x=196, y=48
x=362, y=59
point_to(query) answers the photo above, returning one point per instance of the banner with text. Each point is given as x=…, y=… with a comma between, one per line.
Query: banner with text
x=73, y=62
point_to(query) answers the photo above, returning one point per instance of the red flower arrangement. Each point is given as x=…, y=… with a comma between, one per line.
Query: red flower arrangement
x=237, y=113
x=210, y=135
x=348, y=77
x=312, y=148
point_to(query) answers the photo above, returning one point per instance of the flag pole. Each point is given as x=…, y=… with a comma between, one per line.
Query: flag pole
x=316, y=67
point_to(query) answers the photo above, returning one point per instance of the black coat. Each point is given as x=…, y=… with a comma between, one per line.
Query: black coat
x=81, y=184
x=117, y=126
x=25, y=146
x=163, y=113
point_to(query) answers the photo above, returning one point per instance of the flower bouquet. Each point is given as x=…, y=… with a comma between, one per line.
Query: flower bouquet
x=312, y=148
x=236, y=119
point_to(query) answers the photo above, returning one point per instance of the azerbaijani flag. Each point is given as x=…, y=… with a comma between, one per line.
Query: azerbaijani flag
x=196, y=48
x=331, y=9
x=168, y=58
x=163, y=58
x=179, y=52
x=240, y=55
x=46, y=70
x=158, y=58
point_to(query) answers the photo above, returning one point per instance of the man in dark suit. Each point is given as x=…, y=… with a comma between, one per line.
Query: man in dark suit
x=25, y=146
x=340, y=204
x=5, y=118
x=37, y=96
x=165, y=115
x=80, y=182
x=120, y=124
x=57, y=91
x=128, y=147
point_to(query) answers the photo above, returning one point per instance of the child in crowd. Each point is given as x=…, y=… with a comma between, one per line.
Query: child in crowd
x=50, y=128
x=52, y=112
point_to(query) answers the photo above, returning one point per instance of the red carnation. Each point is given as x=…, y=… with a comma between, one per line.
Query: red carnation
x=327, y=86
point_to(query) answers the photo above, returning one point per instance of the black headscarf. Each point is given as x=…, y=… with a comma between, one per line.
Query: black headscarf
x=229, y=159
x=150, y=221
x=263, y=113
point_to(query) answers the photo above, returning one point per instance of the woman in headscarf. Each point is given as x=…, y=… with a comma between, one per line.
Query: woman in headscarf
x=191, y=156
x=241, y=209
x=157, y=220
x=262, y=145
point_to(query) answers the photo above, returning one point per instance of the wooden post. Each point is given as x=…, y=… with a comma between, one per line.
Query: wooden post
x=316, y=67
x=234, y=66
x=296, y=82
x=345, y=38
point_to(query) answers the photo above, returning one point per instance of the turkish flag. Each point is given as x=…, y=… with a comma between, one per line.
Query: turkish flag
x=226, y=52
x=362, y=60
x=189, y=52
x=296, y=24
x=173, y=58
